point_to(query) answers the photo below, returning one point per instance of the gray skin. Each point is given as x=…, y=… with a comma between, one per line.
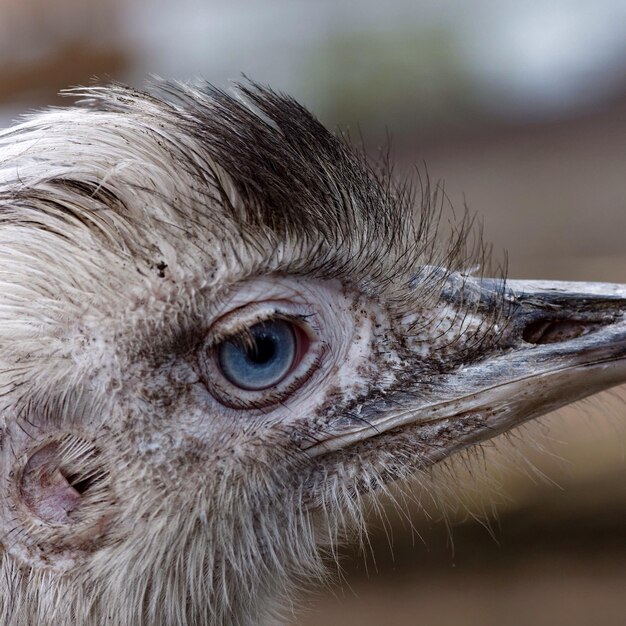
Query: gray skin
x=562, y=341
x=139, y=233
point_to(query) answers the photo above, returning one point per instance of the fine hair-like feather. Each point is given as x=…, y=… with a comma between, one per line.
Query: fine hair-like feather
x=124, y=221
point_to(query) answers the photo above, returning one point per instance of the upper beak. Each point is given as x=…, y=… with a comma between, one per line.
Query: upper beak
x=561, y=342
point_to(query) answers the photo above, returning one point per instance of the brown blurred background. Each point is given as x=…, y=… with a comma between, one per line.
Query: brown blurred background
x=521, y=109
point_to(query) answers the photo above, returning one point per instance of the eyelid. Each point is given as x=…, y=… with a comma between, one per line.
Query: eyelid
x=238, y=320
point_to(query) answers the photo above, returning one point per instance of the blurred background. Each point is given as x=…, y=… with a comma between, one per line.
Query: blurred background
x=521, y=109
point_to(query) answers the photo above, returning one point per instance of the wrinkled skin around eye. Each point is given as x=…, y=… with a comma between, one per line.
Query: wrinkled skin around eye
x=307, y=340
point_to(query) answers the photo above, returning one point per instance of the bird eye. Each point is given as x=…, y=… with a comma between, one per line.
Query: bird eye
x=260, y=357
x=256, y=356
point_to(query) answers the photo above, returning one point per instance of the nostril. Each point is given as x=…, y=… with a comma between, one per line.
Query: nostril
x=546, y=331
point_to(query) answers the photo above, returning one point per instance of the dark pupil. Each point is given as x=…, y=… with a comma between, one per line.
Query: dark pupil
x=261, y=357
x=263, y=350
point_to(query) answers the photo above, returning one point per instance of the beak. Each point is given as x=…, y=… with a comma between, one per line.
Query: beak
x=560, y=342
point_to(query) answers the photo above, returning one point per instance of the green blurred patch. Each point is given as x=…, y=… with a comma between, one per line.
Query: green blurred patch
x=412, y=78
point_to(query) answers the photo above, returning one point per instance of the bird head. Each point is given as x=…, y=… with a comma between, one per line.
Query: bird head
x=221, y=328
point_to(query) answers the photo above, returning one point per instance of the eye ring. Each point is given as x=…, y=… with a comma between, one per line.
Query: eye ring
x=235, y=380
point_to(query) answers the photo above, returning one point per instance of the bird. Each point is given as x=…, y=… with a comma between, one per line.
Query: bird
x=223, y=329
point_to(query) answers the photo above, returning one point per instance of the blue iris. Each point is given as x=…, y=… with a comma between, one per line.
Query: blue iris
x=261, y=358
